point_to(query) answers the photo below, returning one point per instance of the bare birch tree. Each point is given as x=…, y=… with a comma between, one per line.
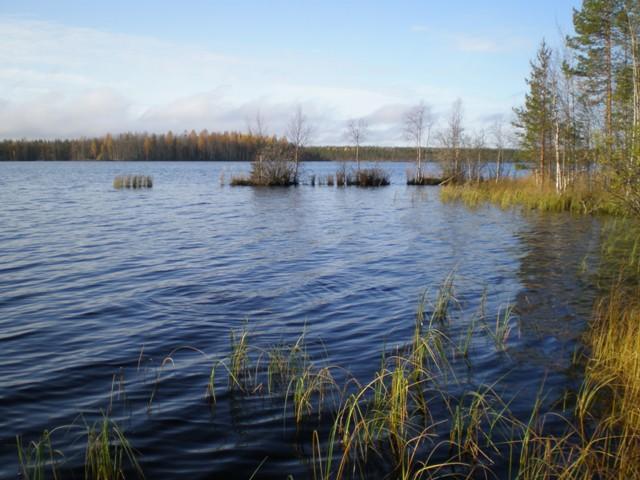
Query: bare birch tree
x=298, y=134
x=257, y=127
x=498, y=136
x=357, y=131
x=418, y=123
x=475, y=159
x=451, y=139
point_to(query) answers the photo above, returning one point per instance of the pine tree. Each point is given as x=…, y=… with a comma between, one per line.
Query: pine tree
x=596, y=35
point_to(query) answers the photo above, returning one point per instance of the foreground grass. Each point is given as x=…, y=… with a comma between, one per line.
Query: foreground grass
x=404, y=422
x=585, y=196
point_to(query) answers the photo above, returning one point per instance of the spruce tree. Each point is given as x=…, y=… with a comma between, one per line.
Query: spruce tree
x=534, y=119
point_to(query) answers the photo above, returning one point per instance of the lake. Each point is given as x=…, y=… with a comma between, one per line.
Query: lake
x=98, y=287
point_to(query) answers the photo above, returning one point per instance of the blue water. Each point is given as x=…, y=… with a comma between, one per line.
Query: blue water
x=97, y=284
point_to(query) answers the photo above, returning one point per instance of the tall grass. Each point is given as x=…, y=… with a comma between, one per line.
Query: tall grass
x=502, y=327
x=584, y=196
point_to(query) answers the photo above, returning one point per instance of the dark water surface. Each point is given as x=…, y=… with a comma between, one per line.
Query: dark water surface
x=89, y=275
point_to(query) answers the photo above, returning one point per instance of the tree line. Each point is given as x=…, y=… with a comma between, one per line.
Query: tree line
x=188, y=146
x=203, y=146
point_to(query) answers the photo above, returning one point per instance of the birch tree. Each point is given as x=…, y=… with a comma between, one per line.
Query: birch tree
x=357, y=132
x=298, y=134
x=498, y=136
x=452, y=138
x=418, y=123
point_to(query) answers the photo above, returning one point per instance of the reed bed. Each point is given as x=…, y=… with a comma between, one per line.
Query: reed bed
x=132, y=181
x=584, y=196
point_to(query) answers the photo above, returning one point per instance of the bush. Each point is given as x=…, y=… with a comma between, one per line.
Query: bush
x=273, y=167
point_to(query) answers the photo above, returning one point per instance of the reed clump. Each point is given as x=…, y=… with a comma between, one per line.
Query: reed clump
x=583, y=196
x=132, y=181
x=363, y=177
x=368, y=177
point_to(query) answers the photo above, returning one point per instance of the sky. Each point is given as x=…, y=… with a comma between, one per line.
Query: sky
x=78, y=68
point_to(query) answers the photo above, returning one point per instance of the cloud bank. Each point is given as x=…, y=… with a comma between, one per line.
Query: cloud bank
x=63, y=81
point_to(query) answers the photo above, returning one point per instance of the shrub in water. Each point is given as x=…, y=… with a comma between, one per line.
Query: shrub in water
x=273, y=167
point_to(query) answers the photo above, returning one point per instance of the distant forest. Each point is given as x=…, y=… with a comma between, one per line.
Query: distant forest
x=203, y=146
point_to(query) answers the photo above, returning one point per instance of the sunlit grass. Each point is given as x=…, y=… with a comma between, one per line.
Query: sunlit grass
x=584, y=196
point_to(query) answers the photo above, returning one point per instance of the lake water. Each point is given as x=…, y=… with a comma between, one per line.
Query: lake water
x=96, y=282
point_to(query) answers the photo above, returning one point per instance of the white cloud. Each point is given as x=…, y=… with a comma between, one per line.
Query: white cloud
x=57, y=114
x=62, y=81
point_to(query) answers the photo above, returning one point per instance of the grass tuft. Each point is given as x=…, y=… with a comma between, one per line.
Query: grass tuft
x=38, y=459
x=108, y=452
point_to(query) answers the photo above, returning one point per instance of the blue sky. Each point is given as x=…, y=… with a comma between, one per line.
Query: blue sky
x=70, y=68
